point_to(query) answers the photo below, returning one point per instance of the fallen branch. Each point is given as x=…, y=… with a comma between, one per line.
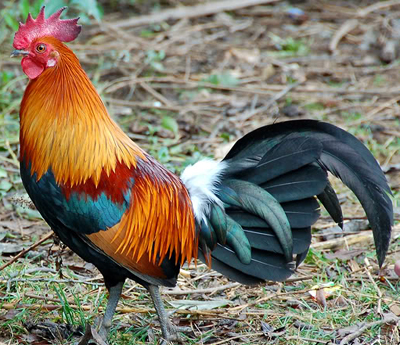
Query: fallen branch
x=22, y=253
x=200, y=10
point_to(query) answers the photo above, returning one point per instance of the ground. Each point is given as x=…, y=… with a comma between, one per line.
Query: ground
x=187, y=87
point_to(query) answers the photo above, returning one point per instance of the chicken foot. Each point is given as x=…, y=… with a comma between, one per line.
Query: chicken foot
x=169, y=331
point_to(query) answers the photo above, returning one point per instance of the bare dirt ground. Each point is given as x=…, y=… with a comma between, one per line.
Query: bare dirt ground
x=188, y=87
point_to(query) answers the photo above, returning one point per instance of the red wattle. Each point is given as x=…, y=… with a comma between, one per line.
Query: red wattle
x=30, y=68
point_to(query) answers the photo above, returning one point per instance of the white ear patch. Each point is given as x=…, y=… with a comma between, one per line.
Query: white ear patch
x=51, y=62
x=202, y=179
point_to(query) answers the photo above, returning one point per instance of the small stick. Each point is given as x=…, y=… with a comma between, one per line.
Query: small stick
x=379, y=307
x=347, y=26
x=391, y=319
x=377, y=6
x=156, y=94
x=22, y=253
x=189, y=12
x=297, y=279
x=237, y=337
x=206, y=290
x=143, y=105
x=365, y=238
x=270, y=102
x=342, y=241
x=271, y=335
x=266, y=298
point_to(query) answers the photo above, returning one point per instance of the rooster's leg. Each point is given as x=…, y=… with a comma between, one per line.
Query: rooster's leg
x=114, y=295
x=167, y=329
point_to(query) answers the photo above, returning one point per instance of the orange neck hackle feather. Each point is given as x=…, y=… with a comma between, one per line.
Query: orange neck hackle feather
x=65, y=127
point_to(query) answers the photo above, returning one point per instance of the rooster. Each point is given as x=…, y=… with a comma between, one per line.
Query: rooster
x=248, y=216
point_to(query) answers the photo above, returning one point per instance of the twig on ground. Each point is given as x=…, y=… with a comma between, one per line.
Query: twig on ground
x=204, y=9
x=270, y=102
x=238, y=337
x=370, y=115
x=347, y=26
x=206, y=290
x=142, y=105
x=156, y=94
x=22, y=253
x=360, y=294
x=389, y=318
x=297, y=279
x=379, y=292
x=266, y=298
x=365, y=237
x=377, y=6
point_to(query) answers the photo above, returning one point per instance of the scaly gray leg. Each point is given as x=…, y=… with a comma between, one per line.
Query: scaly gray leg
x=168, y=331
x=114, y=295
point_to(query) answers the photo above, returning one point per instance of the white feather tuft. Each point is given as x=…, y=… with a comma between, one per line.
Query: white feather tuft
x=202, y=179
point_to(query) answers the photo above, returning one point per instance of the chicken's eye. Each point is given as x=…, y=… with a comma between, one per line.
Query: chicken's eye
x=41, y=48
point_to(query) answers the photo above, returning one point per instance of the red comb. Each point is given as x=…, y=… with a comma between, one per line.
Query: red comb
x=66, y=30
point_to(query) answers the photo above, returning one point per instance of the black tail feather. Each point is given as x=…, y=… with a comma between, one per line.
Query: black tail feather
x=264, y=265
x=300, y=214
x=366, y=183
x=302, y=183
x=230, y=271
x=286, y=156
x=257, y=201
x=265, y=239
x=301, y=257
x=290, y=161
x=344, y=156
x=331, y=203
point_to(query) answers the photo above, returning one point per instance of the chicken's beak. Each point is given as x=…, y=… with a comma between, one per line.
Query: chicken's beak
x=19, y=53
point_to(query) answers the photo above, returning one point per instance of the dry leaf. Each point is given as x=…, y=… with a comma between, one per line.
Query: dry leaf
x=395, y=309
x=341, y=301
x=12, y=313
x=320, y=297
x=328, y=290
x=251, y=56
x=10, y=248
